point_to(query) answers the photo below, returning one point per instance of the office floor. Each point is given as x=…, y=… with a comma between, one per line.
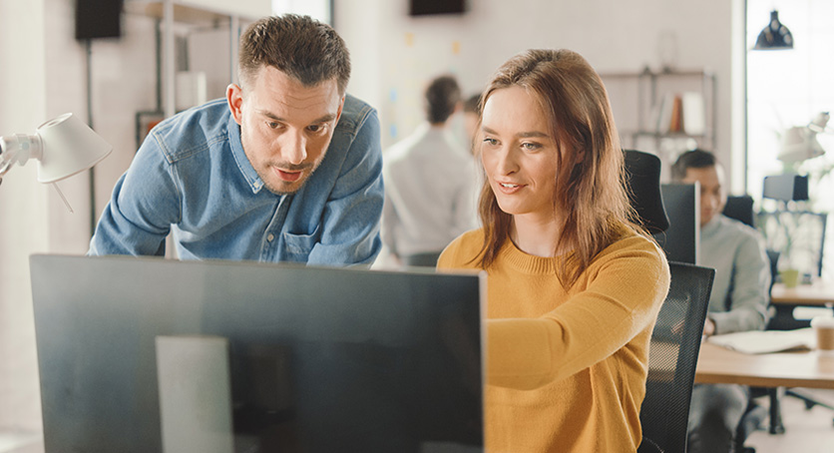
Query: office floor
x=806, y=431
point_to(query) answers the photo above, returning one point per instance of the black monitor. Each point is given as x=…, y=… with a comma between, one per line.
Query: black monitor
x=683, y=207
x=273, y=357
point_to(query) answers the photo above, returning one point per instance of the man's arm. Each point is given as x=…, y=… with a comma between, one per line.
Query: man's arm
x=144, y=204
x=351, y=219
x=749, y=294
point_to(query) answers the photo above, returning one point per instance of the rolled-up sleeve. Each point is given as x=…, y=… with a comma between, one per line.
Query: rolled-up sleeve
x=144, y=204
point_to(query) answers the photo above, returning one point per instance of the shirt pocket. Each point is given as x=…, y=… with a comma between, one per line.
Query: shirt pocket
x=299, y=246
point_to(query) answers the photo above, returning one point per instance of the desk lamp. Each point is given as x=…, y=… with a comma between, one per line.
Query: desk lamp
x=63, y=146
x=800, y=143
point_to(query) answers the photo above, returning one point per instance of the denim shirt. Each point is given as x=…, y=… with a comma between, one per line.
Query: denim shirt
x=191, y=177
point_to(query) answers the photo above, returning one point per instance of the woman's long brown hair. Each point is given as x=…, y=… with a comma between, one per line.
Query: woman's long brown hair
x=590, y=190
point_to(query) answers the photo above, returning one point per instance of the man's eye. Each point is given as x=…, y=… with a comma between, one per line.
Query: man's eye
x=315, y=128
x=531, y=146
x=273, y=124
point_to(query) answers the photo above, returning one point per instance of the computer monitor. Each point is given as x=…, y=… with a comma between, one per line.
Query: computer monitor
x=311, y=359
x=683, y=207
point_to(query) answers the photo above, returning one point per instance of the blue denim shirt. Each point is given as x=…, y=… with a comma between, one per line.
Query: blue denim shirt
x=192, y=177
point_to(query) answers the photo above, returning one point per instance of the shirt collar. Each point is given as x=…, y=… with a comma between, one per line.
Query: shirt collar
x=246, y=168
x=712, y=226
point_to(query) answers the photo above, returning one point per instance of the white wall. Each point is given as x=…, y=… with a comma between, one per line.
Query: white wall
x=44, y=76
x=22, y=213
x=394, y=54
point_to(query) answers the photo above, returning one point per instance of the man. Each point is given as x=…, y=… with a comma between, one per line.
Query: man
x=738, y=302
x=286, y=168
x=429, y=182
x=471, y=116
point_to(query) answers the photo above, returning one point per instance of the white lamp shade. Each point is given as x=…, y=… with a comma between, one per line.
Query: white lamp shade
x=68, y=146
x=799, y=144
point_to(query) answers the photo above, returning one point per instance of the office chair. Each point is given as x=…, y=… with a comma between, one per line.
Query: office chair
x=643, y=188
x=673, y=356
x=740, y=207
x=676, y=338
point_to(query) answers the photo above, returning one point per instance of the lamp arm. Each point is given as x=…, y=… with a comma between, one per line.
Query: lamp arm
x=18, y=148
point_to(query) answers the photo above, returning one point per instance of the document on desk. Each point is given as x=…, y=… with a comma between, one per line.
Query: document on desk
x=766, y=341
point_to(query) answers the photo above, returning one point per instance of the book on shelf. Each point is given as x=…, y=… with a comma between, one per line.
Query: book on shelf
x=676, y=122
x=694, y=117
x=680, y=113
x=664, y=115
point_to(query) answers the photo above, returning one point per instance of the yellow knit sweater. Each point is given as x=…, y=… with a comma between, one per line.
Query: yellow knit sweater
x=566, y=371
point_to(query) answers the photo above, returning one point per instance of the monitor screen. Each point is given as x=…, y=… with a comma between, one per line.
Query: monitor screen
x=251, y=357
x=683, y=207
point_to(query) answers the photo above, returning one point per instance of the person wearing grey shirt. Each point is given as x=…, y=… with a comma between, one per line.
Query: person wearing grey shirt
x=738, y=301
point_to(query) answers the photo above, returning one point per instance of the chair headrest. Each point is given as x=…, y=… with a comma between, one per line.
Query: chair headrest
x=643, y=178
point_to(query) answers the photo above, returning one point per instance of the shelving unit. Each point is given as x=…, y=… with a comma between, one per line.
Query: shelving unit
x=193, y=13
x=638, y=97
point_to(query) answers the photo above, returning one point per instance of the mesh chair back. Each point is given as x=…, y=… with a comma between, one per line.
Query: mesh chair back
x=673, y=355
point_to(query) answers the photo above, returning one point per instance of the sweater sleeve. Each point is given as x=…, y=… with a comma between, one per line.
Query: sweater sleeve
x=623, y=296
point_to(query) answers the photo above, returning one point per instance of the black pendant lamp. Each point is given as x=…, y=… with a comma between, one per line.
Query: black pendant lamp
x=774, y=36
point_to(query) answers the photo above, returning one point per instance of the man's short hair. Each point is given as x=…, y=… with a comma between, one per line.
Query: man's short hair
x=442, y=97
x=299, y=46
x=696, y=158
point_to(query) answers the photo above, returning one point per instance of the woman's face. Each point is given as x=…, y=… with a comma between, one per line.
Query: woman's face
x=518, y=153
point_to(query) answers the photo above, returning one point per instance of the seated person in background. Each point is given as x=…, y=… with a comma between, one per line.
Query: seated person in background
x=738, y=301
x=429, y=183
x=471, y=116
x=574, y=287
x=286, y=168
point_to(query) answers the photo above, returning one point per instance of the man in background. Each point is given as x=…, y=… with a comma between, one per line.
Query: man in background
x=471, y=116
x=286, y=168
x=429, y=183
x=738, y=302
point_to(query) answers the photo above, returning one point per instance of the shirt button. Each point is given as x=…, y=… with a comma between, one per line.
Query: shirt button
x=270, y=237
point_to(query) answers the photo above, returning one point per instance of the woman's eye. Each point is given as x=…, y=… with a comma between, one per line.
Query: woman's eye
x=531, y=146
x=490, y=141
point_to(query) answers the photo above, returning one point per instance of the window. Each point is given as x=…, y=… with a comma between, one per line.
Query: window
x=787, y=88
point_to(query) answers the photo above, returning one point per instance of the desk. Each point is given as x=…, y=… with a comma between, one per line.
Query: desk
x=819, y=293
x=718, y=365
x=776, y=371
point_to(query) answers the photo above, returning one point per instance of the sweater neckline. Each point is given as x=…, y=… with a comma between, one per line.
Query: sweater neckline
x=529, y=264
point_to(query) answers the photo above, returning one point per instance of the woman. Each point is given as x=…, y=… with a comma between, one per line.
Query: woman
x=574, y=286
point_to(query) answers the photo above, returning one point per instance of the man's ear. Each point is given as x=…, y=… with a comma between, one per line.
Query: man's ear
x=234, y=97
x=339, y=113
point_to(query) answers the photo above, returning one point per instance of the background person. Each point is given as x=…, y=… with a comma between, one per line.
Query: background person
x=471, y=117
x=738, y=301
x=286, y=168
x=429, y=183
x=574, y=287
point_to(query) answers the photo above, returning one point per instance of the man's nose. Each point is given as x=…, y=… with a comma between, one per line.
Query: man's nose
x=294, y=148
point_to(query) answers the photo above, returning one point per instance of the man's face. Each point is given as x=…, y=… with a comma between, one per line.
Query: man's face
x=713, y=197
x=285, y=126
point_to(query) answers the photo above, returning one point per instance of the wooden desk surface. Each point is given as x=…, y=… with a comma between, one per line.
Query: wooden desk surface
x=718, y=365
x=819, y=293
